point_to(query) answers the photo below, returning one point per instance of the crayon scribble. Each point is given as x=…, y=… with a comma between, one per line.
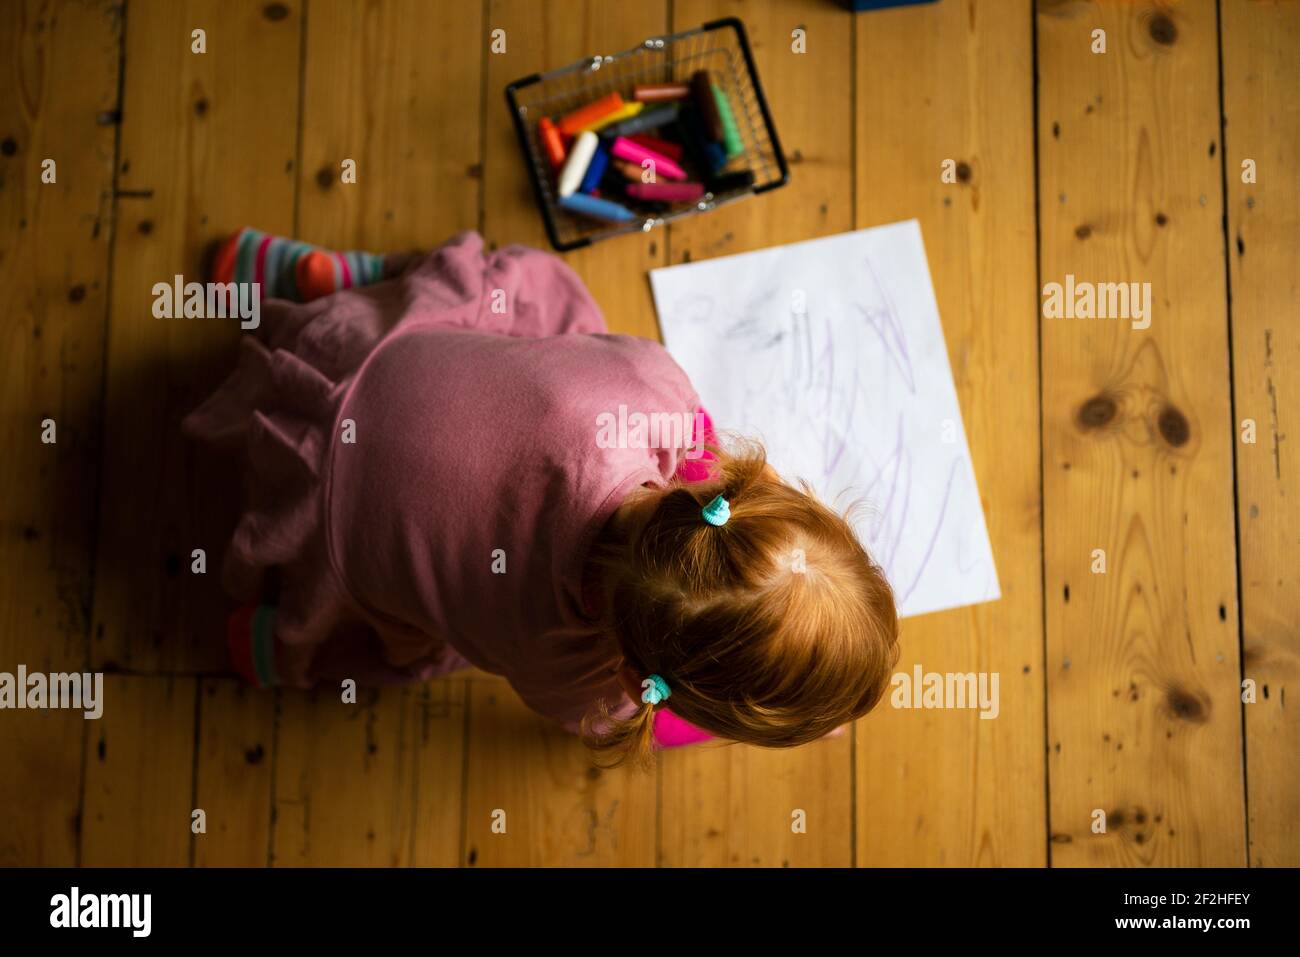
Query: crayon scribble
x=826, y=364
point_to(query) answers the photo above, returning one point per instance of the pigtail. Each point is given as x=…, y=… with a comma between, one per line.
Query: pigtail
x=619, y=740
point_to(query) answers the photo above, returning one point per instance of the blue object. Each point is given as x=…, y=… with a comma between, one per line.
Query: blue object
x=709, y=154
x=858, y=6
x=717, y=512
x=595, y=170
x=655, y=690
x=596, y=208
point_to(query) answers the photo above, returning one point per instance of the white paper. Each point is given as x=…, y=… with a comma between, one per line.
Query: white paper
x=831, y=353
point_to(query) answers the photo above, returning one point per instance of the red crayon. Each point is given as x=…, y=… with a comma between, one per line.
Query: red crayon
x=672, y=150
x=666, y=192
x=552, y=143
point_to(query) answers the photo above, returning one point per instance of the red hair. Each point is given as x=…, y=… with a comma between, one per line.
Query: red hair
x=773, y=629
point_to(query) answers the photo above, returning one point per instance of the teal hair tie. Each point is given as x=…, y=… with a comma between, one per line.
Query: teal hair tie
x=655, y=689
x=717, y=512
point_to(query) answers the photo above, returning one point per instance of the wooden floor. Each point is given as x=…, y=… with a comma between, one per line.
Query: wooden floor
x=1168, y=448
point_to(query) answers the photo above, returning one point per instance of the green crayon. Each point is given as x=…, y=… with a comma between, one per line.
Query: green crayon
x=730, y=135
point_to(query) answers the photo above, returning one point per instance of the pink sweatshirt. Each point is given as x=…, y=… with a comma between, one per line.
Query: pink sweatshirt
x=477, y=451
x=425, y=470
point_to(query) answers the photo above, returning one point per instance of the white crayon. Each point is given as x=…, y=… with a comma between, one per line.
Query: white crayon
x=575, y=167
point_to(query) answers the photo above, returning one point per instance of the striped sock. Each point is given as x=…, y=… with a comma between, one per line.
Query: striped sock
x=250, y=637
x=291, y=269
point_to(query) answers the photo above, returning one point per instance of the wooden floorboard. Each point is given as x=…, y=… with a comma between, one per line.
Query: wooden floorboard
x=725, y=806
x=60, y=74
x=535, y=800
x=1262, y=127
x=375, y=783
x=412, y=131
x=562, y=816
x=949, y=788
x=1144, y=718
x=545, y=35
x=139, y=775
x=204, y=150
x=234, y=771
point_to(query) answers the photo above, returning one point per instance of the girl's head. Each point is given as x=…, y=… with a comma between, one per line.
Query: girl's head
x=773, y=629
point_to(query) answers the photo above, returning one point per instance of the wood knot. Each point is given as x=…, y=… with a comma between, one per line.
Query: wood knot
x=1173, y=426
x=325, y=177
x=1186, y=706
x=1097, y=411
x=1083, y=232
x=8, y=146
x=1162, y=30
x=963, y=172
x=275, y=11
x=201, y=107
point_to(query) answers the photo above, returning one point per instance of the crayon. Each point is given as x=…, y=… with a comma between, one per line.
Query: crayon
x=645, y=120
x=552, y=144
x=613, y=182
x=659, y=92
x=625, y=149
x=706, y=153
x=666, y=147
x=573, y=123
x=575, y=167
x=595, y=170
x=596, y=208
x=716, y=157
x=702, y=93
x=666, y=192
x=624, y=112
x=730, y=135
x=728, y=182
x=630, y=171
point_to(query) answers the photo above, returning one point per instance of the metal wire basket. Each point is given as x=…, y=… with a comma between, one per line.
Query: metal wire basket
x=721, y=47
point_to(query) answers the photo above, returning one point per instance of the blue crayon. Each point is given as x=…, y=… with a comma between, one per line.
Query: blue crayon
x=595, y=170
x=596, y=208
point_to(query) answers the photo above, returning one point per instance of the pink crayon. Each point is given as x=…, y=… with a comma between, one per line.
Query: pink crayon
x=665, y=192
x=625, y=149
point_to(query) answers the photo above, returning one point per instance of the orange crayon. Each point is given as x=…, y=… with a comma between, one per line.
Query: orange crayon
x=575, y=122
x=629, y=171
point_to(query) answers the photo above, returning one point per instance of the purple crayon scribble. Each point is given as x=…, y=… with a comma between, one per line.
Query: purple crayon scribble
x=884, y=321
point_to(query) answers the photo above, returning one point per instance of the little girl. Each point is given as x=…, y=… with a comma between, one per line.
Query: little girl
x=426, y=491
